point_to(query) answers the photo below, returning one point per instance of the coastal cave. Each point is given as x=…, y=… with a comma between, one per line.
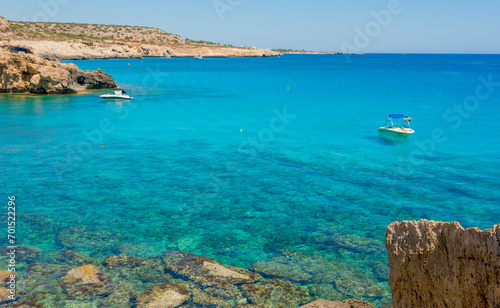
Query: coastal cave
x=17, y=49
x=80, y=80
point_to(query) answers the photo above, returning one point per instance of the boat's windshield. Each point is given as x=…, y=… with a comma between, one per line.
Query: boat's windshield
x=397, y=122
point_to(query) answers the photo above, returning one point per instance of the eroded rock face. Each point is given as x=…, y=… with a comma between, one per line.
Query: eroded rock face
x=438, y=264
x=4, y=26
x=20, y=73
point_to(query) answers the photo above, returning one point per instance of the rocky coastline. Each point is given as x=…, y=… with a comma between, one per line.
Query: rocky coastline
x=174, y=279
x=318, y=53
x=432, y=264
x=58, y=41
x=25, y=73
x=125, y=50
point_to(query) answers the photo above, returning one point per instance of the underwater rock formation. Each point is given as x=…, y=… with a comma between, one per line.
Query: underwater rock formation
x=85, y=282
x=87, y=238
x=131, y=267
x=275, y=293
x=440, y=264
x=165, y=295
x=327, y=278
x=206, y=271
x=321, y=303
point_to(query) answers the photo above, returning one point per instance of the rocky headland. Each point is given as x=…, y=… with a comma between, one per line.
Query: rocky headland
x=26, y=73
x=440, y=264
x=72, y=41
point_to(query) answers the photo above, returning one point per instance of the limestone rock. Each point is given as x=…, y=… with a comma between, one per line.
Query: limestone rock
x=4, y=295
x=5, y=276
x=20, y=72
x=165, y=295
x=321, y=303
x=206, y=271
x=441, y=264
x=52, y=50
x=4, y=26
x=85, y=282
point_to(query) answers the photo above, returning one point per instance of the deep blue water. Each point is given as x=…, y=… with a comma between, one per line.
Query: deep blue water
x=176, y=172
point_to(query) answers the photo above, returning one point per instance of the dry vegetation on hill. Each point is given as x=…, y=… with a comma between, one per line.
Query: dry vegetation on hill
x=91, y=33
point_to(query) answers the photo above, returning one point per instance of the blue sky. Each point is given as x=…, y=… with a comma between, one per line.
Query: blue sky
x=460, y=26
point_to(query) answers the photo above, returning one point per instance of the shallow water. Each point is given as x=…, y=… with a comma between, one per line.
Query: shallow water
x=251, y=160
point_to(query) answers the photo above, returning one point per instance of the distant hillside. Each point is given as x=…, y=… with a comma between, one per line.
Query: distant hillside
x=73, y=41
x=56, y=31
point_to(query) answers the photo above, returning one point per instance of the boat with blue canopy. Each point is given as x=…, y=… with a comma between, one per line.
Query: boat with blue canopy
x=397, y=125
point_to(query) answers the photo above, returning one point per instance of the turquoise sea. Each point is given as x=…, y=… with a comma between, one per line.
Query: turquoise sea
x=258, y=162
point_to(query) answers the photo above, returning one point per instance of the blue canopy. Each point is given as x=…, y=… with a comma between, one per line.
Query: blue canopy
x=396, y=115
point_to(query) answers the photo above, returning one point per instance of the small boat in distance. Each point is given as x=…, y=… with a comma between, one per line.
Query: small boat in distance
x=397, y=125
x=198, y=57
x=119, y=94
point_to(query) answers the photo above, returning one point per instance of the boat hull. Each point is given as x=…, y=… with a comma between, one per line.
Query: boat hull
x=399, y=132
x=110, y=96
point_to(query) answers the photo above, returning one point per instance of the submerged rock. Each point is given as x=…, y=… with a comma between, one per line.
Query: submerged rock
x=439, y=264
x=328, y=278
x=206, y=271
x=85, y=282
x=23, y=253
x=130, y=267
x=92, y=240
x=165, y=295
x=275, y=293
x=22, y=73
x=121, y=294
x=321, y=303
x=355, y=244
x=73, y=258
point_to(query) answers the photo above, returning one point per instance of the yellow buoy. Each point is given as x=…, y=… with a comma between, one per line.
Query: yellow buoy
x=241, y=130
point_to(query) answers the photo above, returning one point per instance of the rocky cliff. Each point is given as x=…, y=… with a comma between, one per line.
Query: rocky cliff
x=72, y=41
x=22, y=73
x=4, y=27
x=119, y=50
x=439, y=264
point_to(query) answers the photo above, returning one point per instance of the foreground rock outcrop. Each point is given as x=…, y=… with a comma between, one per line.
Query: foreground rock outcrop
x=439, y=264
x=26, y=73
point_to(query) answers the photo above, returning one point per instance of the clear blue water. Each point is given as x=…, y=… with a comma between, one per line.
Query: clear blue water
x=176, y=172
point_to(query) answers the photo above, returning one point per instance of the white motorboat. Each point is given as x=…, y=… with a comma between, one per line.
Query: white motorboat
x=198, y=57
x=119, y=94
x=397, y=125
